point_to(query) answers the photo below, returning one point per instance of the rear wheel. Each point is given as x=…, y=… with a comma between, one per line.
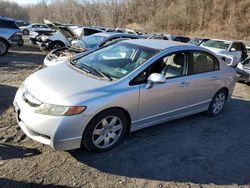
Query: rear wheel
x=105, y=130
x=4, y=47
x=217, y=103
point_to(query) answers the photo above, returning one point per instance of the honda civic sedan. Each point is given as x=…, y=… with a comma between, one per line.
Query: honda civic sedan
x=93, y=101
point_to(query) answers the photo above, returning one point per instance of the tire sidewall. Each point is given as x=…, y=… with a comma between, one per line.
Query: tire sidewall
x=7, y=47
x=25, y=32
x=87, y=141
x=210, y=111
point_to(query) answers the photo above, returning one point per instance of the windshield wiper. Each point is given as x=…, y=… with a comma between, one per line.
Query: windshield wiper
x=73, y=62
x=104, y=75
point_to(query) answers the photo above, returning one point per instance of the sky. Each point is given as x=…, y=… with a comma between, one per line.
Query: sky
x=25, y=2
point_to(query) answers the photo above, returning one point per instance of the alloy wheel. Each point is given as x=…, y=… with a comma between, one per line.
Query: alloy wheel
x=107, y=132
x=219, y=102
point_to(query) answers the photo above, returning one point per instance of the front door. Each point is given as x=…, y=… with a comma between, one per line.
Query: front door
x=167, y=100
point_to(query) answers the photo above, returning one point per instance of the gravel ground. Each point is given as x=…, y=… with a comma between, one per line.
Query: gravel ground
x=195, y=151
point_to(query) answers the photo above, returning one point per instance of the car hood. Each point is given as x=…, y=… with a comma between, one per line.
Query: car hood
x=64, y=85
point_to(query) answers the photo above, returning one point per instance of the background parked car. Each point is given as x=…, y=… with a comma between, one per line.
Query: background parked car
x=21, y=23
x=37, y=27
x=179, y=38
x=243, y=71
x=89, y=43
x=232, y=52
x=197, y=41
x=64, y=35
x=157, y=36
x=10, y=34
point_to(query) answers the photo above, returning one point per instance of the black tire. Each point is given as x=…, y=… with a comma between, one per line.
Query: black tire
x=26, y=32
x=211, y=110
x=4, y=47
x=88, y=135
x=56, y=44
x=33, y=41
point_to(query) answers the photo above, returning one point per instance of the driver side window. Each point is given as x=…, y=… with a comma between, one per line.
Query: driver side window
x=171, y=66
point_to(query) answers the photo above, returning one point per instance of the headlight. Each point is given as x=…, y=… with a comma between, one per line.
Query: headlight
x=240, y=66
x=44, y=38
x=56, y=110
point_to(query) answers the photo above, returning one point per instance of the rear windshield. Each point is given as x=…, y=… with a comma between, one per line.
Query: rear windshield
x=217, y=44
x=92, y=40
x=8, y=24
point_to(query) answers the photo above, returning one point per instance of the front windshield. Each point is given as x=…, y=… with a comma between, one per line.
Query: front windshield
x=92, y=40
x=217, y=44
x=116, y=60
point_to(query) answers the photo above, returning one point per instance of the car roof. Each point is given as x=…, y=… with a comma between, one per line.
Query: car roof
x=114, y=34
x=6, y=18
x=158, y=44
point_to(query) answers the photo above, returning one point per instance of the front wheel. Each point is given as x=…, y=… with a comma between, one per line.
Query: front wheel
x=4, y=47
x=217, y=103
x=105, y=130
x=25, y=31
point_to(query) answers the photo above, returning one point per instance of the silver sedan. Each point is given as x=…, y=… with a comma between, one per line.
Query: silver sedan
x=93, y=101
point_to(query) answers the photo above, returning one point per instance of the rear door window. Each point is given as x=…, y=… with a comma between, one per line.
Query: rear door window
x=202, y=62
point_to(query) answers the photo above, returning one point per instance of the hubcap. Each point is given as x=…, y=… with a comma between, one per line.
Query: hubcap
x=107, y=132
x=3, y=47
x=219, y=103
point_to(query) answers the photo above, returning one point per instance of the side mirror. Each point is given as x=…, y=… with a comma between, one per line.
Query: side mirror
x=233, y=50
x=155, y=78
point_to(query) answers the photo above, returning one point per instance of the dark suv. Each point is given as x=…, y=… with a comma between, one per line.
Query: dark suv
x=10, y=34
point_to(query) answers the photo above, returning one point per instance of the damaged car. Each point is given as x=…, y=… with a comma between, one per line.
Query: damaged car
x=243, y=71
x=89, y=43
x=232, y=52
x=63, y=36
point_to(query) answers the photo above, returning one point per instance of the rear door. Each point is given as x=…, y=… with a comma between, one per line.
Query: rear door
x=204, y=79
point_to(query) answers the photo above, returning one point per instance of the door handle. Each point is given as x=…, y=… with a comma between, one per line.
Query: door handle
x=214, y=78
x=184, y=84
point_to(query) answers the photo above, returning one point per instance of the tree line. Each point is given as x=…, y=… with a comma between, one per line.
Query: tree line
x=207, y=18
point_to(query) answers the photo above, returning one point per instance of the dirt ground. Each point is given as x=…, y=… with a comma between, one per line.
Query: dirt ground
x=195, y=151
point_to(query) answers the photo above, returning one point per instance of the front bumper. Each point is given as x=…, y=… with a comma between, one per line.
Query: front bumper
x=59, y=132
x=242, y=76
x=44, y=46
